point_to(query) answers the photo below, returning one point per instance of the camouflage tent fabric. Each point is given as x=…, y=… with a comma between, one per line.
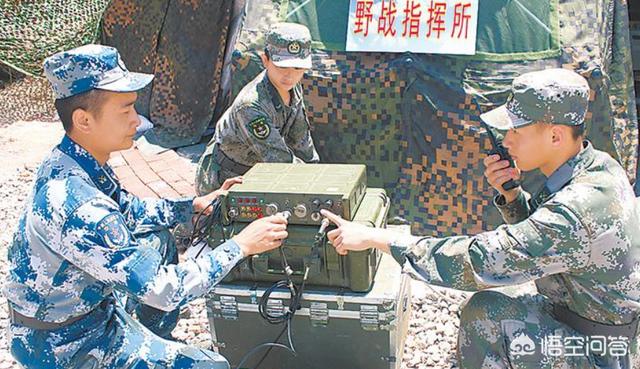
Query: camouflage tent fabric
x=29, y=32
x=413, y=119
x=183, y=43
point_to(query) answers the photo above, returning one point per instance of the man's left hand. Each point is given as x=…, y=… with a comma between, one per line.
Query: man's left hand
x=201, y=203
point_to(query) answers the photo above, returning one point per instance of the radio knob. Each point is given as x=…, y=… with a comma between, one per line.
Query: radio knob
x=300, y=211
x=315, y=216
x=329, y=203
x=316, y=203
x=233, y=213
x=271, y=208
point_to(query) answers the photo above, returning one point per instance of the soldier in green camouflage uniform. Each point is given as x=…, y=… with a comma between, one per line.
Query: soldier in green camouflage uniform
x=578, y=239
x=267, y=122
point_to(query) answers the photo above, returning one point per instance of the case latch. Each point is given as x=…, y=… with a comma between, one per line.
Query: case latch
x=228, y=307
x=369, y=319
x=319, y=314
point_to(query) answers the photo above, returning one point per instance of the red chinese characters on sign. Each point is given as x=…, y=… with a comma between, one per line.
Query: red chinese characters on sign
x=363, y=16
x=387, y=19
x=411, y=22
x=461, y=20
x=435, y=22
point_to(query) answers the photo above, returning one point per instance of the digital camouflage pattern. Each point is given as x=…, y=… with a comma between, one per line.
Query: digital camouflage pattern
x=557, y=96
x=88, y=67
x=414, y=119
x=174, y=40
x=578, y=239
x=76, y=247
x=289, y=45
x=502, y=331
x=258, y=127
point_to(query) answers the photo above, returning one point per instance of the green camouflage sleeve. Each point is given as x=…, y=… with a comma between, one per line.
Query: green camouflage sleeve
x=552, y=240
x=260, y=133
x=299, y=139
x=515, y=211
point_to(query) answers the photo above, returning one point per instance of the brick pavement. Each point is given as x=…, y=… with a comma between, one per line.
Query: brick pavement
x=166, y=174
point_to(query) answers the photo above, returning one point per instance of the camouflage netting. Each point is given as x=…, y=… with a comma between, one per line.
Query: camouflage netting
x=29, y=32
x=183, y=43
x=413, y=119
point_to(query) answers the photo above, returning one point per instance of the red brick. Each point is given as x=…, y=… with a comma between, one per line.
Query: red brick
x=136, y=187
x=150, y=158
x=115, y=154
x=168, y=155
x=191, y=180
x=117, y=161
x=133, y=157
x=189, y=177
x=158, y=166
x=175, y=164
x=145, y=173
x=169, y=176
x=124, y=172
x=185, y=170
x=184, y=188
x=163, y=189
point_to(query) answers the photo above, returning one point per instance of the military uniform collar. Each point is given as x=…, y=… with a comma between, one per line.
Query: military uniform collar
x=570, y=168
x=565, y=173
x=102, y=176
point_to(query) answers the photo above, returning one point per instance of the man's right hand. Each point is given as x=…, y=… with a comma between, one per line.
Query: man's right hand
x=498, y=173
x=262, y=235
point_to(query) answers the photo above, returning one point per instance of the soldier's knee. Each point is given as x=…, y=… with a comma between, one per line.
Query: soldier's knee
x=480, y=325
x=484, y=305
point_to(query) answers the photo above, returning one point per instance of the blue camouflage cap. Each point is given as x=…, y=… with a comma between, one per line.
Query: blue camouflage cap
x=90, y=67
x=557, y=96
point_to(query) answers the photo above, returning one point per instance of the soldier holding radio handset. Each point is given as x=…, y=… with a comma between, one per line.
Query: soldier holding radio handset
x=577, y=239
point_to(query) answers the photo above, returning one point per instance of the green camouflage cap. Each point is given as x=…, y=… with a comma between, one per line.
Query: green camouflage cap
x=557, y=96
x=289, y=45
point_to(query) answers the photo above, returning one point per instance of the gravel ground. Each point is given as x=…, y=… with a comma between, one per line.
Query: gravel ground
x=433, y=325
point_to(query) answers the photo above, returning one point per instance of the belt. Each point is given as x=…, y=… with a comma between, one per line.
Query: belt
x=227, y=163
x=29, y=322
x=590, y=328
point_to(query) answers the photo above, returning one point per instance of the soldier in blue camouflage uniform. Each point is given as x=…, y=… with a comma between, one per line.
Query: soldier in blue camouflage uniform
x=267, y=121
x=75, y=245
x=578, y=239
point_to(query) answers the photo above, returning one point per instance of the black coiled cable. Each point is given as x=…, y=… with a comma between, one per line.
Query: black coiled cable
x=203, y=225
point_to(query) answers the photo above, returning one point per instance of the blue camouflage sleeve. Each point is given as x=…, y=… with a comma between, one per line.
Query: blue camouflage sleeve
x=152, y=213
x=96, y=239
x=552, y=240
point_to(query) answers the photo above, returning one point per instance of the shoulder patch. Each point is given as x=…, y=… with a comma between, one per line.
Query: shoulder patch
x=259, y=128
x=113, y=231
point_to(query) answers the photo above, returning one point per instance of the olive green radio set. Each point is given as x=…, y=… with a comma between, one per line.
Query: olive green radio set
x=302, y=190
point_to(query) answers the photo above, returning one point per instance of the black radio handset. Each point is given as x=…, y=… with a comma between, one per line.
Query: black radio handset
x=500, y=150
